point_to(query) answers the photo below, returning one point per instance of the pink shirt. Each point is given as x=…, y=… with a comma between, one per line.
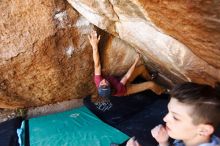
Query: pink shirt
x=120, y=89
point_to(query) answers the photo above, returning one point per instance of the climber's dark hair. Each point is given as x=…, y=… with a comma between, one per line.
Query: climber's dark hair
x=204, y=99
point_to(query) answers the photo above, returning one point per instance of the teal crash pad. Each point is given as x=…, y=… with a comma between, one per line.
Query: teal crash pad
x=77, y=127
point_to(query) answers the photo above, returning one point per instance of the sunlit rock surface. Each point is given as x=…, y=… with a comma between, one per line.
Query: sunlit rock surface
x=44, y=53
x=179, y=39
x=45, y=56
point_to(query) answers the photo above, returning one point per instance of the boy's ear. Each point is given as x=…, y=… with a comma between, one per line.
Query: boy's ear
x=205, y=130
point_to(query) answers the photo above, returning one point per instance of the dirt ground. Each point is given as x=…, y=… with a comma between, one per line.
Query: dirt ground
x=7, y=114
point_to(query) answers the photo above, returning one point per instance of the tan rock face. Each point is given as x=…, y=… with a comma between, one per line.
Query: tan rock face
x=179, y=39
x=194, y=23
x=44, y=52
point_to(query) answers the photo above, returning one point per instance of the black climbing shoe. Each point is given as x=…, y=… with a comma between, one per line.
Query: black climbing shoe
x=154, y=75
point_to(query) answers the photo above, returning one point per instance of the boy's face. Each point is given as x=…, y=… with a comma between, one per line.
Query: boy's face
x=179, y=123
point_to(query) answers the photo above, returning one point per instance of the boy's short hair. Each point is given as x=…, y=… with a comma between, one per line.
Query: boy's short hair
x=204, y=99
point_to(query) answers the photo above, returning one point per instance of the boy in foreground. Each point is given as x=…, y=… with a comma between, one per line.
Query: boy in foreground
x=194, y=114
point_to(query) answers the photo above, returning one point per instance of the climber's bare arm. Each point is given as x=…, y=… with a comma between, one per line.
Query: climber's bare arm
x=126, y=77
x=94, y=40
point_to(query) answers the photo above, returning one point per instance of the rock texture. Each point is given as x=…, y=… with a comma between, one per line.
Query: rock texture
x=180, y=39
x=44, y=52
x=45, y=56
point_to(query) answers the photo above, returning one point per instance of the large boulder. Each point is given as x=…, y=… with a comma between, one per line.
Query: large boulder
x=179, y=39
x=44, y=53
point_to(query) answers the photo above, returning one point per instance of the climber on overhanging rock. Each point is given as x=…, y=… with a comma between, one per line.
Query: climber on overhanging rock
x=110, y=85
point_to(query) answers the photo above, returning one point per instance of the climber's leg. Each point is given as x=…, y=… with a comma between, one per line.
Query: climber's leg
x=149, y=85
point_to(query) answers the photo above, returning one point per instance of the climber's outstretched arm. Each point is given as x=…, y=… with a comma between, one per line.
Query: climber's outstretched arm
x=126, y=77
x=94, y=40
